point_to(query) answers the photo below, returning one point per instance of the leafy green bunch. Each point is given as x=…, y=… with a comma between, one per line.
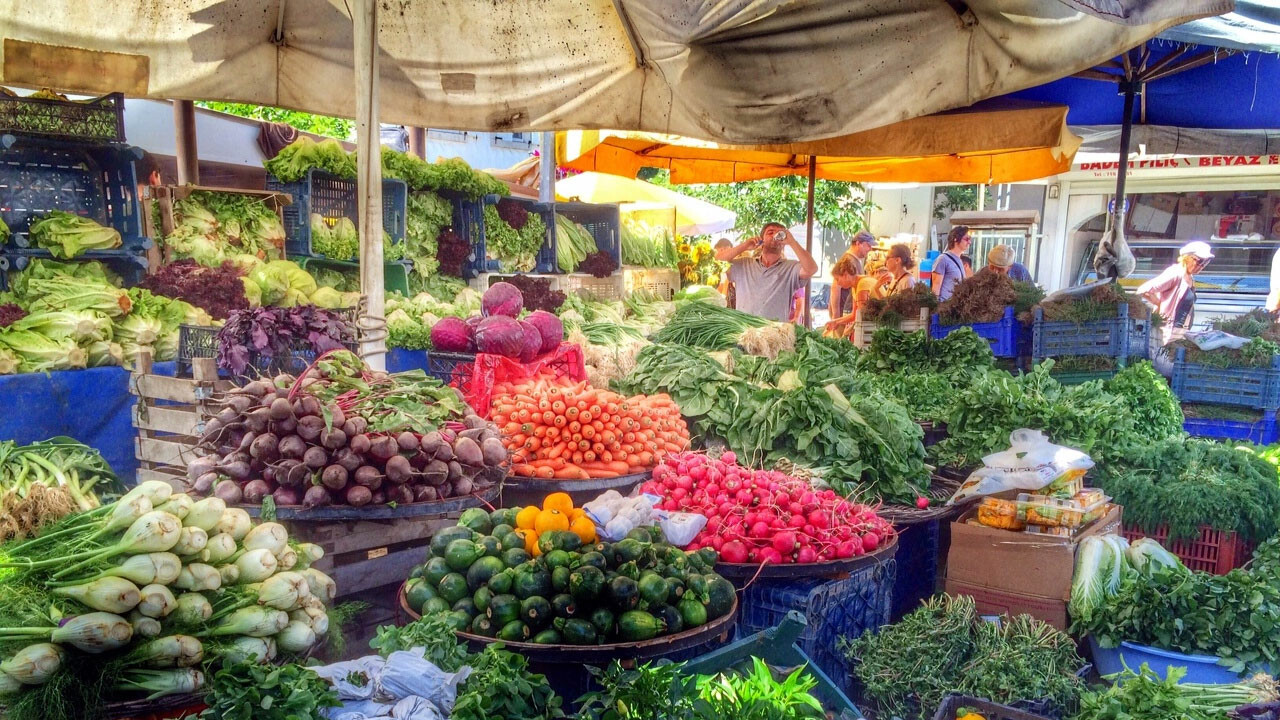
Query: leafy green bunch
x=502, y=688
x=431, y=632
x=452, y=174
x=293, y=161
x=517, y=250
x=905, y=670
x=253, y=691
x=894, y=351
x=426, y=214
x=1144, y=695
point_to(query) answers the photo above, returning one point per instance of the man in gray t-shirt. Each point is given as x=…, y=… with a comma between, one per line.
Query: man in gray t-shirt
x=765, y=283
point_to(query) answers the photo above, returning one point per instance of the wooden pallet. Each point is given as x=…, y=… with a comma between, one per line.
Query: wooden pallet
x=361, y=555
x=170, y=415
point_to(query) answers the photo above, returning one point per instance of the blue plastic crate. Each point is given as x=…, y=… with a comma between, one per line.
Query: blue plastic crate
x=602, y=221
x=1004, y=335
x=468, y=223
x=97, y=181
x=1121, y=338
x=917, y=572
x=332, y=198
x=1257, y=388
x=1262, y=432
x=131, y=266
x=546, y=260
x=834, y=609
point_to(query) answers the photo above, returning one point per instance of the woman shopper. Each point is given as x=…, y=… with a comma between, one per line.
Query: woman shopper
x=899, y=264
x=948, y=268
x=1173, y=292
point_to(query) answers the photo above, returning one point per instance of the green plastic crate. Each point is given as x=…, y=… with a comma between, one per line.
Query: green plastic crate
x=395, y=275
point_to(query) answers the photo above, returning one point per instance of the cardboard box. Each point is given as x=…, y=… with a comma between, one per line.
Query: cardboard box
x=1013, y=562
x=1196, y=227
x=996, y=602
x=1192, y=204
x=1149, y=219
x=1168, y=202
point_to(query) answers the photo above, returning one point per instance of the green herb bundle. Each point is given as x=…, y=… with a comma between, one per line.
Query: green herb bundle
x=1102, y=303
x=502, y=688
x=433, y=633
x=894, y=351
x=1144, y=695
x=1257, y=353
x=253, y=691
x=1185, y=483
x=979, y=299
x=905, y=670
x=905, y=305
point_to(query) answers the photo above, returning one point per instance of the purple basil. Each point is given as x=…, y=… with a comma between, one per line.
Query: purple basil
x=259, y=336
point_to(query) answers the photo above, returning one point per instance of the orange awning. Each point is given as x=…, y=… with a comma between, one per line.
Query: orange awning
x=987, y=143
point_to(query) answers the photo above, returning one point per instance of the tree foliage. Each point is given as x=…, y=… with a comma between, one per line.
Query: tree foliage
x=838, y=205
x=952, y=198
x=306, y=122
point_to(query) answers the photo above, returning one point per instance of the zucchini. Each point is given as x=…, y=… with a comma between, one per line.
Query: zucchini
x=653, y=589
x=720, y=596
x=562, y=605
x=535, y=611
x=638, y=625
x=503, y=609
x=624, y=593
x=586, y=583
x=514, y=631
x=548, y=637
x=576, y=632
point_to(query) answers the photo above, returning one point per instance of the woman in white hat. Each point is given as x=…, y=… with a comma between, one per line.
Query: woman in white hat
x=1173, y=291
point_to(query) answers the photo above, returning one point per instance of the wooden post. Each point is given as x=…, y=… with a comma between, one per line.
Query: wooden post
x=418, y=142
x=808, y=232
x=547, y=168
x=369, y=174
x=184, y=130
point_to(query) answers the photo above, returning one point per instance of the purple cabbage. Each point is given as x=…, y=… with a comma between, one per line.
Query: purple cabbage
x=451, y=334
x=502, y=298
x=500, y=335
x=549, y=328
x=532, y=342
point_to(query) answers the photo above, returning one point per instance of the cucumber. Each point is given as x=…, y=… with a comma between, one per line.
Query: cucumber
x=514, y=631
x=576, y=632
x=638, y=625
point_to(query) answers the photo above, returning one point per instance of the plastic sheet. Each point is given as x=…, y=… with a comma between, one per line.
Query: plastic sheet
x=93, y=406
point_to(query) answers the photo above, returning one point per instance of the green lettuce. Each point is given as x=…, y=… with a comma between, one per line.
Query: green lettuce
x=283, y=283
x=37, y=353
x=67, y=236
x=81, y=327
x=65, y=293
x=103, y=353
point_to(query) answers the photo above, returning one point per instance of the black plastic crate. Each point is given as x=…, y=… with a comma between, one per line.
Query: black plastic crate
x=546, y=260
x=96, y=181
x=201, y=341
x=602, y=221
x=130, y=265
x=468, y=223
x=99, y=119
x=332, y=198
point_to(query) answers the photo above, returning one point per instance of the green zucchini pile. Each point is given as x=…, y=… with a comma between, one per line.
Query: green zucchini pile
x=480, y=573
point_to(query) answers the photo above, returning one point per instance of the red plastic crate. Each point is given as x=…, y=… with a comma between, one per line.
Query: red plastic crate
x=474, y=374
x=1214, y=551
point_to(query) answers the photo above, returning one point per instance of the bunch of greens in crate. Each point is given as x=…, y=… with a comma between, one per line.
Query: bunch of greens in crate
x=1255, y=323
x=251, y=337
x=513, y=235
x=426, y=216
x=214, y=227
x=1146, y=596
x=1185, y=483
x=994, y=404
x=1101, y=303
x=452, y=174
x=894, y=351
x=1152, y=404
x=573, y=244
x=906, y=305
x=1144, y=695
x=906, y=669
x=647, y=244
x=66, y=235
x=982, y=298
x=1258, y=352
x=294, y=160
x=217, y=290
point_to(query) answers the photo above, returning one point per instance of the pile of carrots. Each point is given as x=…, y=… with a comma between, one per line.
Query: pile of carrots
x=558, y=429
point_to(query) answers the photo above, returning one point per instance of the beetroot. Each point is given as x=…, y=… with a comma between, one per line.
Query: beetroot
x=502, y=298
x=500, y=335
x=549, y=327
x=450, y=334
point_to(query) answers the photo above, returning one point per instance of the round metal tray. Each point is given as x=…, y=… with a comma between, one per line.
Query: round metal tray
x=743, y=572
x=569, y=654
x=298, y=513
x=525, y=484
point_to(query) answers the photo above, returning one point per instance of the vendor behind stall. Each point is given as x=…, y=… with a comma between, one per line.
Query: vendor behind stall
x=899, y=263
x=765, y=284
x=948, y=268
x=1173, y=291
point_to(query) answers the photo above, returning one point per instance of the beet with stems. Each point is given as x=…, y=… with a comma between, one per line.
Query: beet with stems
x=280, y=409
x=463, y=486
x=292, y=447
x=360, y=444
x=333, y=439
x=398, y=469
x=286, y=496
x=368, y=476
x=425, y=493
x=284, y=427
x=203, y=485
x=315, y=458
x=348, y=460
x=359, y=496
x=265, y=447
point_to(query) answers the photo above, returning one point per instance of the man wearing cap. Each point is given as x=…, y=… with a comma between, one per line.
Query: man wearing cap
x=1173, y=291
x=1000, y=259
x=859, y=249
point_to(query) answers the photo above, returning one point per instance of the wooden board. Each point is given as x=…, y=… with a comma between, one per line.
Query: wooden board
x=183, y=390
x=361, y=555
x=167, y=433
x=178, y=419
x=175, y=452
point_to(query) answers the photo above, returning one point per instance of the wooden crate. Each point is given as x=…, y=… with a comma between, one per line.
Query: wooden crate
x=864, y=329
x=164, y=197
x=361, y=555
x=169, y=415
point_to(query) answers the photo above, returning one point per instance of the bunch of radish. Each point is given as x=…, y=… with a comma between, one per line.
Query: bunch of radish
x=764, y=516
x=271, y=439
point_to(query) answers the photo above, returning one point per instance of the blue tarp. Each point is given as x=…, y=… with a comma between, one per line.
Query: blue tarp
x=1231, y=93
x=93, y=406
x=399, y=360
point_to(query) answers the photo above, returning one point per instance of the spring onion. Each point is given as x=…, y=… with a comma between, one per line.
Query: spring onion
x=218, y=548
x=198, y=576
x=157, y=601
x=256, y=565
x=178, y=505
x=235, y=522
x=254, y=621
x=206, y=514
x=191, y=540
x=162, y=682
x=33, y=664
x=144, y=626
x=168, y=652
x=108, y=594
x=322, y=586
x=193, y=609
x=267, y=536
x=296, y=637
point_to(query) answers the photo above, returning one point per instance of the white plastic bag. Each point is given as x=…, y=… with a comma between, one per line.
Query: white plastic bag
x=1214, y=339
x=680, y=528
x=1031, y=463
x=338, y=674
x=404, y=686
